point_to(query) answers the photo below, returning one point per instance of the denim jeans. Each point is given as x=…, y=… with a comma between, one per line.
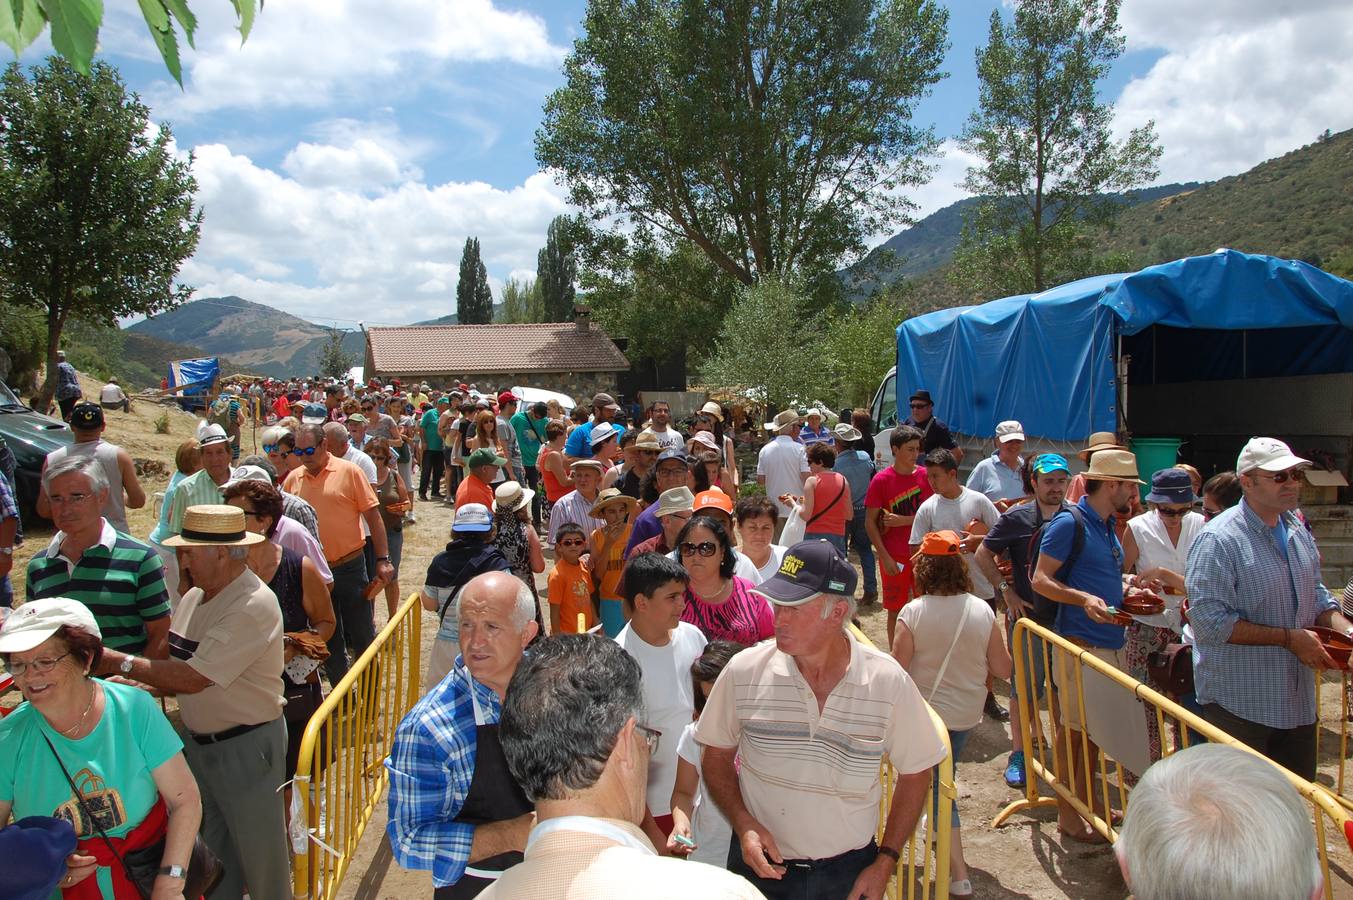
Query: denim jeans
x=836, y=540
x=808, y=879
x=858, y=539
x=354, y=627
x=956, y=741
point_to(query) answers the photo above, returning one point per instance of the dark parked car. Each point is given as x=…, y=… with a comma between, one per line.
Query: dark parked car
x=29, y=436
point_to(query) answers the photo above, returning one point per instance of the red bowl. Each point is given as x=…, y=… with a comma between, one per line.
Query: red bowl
x=1338, y=645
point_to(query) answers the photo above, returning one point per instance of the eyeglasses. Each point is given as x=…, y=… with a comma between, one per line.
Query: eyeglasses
x=1281, y=477
x=308, y=451
x=61, y=499
x=651, y=737
x=704, y=548
x=251, y=513
x=572, y=542
x=37, y=666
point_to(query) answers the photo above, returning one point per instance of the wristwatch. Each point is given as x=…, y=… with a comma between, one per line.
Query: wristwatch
x=173, y=871
x=891, y=853
x=381, y=559
x=126, y=665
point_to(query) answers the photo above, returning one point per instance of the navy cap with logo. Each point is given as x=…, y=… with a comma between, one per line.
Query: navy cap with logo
x=86, y=415
x=809, y=568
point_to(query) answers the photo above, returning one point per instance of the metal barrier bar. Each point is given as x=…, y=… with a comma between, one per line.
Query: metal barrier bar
x=1341, y=679
x=922, y=873
x=340, y=775
x=1176, y=728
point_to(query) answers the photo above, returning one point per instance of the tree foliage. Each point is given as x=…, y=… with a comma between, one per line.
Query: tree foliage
x=474, y=300
x=771, y=138
x=522, y=302
x=96, y=214
x=75, y=27
x=1046, y=145
x=334, y=361
x=557, y=271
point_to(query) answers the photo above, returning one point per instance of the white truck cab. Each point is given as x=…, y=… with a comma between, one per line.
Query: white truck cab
x=883, y=410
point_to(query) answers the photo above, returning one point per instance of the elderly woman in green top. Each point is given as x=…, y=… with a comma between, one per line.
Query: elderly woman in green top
x=98, y=754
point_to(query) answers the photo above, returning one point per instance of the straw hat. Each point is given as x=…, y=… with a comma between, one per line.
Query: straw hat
x=713, y=409
x=511, y=496
x=782, y=420
x=213, y=525
x=1100, y=440
x=611, y=497
x=1114, y=465
x=647, y=440
x=847, y=432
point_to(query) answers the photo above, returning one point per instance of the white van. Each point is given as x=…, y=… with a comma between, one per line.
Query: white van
x=883, y=410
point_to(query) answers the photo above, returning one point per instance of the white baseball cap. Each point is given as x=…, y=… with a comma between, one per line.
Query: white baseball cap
x=1009, y=431
x=37, y=620
x=248, y=473
x=473, y=517
x=1269, y=454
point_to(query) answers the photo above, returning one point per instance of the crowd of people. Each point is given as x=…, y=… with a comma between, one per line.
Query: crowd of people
x=687, y=707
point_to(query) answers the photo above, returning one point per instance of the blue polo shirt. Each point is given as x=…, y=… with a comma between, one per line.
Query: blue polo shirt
x=579, y=443
x=1098, y=570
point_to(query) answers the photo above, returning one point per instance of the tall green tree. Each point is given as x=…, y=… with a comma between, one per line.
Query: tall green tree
x=75, y=27
x=96, y=213
x=557, y=271
x=334, y=361
x=474, y=300
x=773, y=138
x=760, y=345
x=1044, y=137
x=522, y=302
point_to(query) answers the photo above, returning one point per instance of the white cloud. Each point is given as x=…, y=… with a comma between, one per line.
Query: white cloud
x=1240, y=85
x=351, y=231
x=309, y=53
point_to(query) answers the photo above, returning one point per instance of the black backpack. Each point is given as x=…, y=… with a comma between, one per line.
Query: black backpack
x=1077, y=543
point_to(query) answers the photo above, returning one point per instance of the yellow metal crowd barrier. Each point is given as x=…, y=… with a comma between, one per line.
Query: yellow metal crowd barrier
x=340, y=776
x=1123, y=726
x=922, y=872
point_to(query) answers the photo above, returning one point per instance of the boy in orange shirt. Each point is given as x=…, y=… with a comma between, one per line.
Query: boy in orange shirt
x=570, y=585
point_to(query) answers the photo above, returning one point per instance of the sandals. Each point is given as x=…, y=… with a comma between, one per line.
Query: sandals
x=960, y=888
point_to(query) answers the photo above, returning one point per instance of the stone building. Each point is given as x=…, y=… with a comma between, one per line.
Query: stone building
x=572, y=358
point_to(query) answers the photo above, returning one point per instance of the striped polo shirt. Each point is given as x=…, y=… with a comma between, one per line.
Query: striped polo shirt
x=198, y=489
x=120, y=579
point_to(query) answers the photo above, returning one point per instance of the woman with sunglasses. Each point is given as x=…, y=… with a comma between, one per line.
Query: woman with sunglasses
x=1156, y=547
x=719, y=603
x=110, y=739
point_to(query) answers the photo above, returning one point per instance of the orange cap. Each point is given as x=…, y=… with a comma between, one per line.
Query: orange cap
x=715, y=498
x=941, y=543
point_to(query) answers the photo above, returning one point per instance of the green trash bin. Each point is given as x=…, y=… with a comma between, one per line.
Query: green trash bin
x=1154, y=454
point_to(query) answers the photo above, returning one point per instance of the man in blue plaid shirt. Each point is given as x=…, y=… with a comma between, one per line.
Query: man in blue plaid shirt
x=453, y=806
x=1254, y=587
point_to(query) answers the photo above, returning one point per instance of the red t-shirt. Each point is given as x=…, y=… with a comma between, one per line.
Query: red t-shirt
x=901, y=494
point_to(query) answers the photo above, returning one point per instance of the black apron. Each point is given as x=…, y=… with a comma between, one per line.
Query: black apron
x=494, y=796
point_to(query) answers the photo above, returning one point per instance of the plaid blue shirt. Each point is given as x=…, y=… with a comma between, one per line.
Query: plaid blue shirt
x=431, y=764
x=1236, y=571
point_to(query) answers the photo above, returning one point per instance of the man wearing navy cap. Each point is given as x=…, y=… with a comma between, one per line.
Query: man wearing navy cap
x=935, y=434
x=670, y=471
x=804, y=801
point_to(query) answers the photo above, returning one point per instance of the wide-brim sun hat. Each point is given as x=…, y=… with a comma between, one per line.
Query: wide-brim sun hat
x=37, y=620
x=713, y=409
x=705, y=439
x=612, y=497
x=1100, y=440
x=213, y=525
x=782, y=420
x=847, y=432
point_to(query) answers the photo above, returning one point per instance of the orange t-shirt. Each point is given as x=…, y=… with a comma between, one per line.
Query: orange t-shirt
x=340, y=493
x=571, y=591
x=474, y=490
x=610, y=582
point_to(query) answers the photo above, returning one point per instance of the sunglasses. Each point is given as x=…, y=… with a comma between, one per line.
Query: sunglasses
x=271, y=448
x=704, y=548
x=308, y=451
x=1172, y=513
x=572, y=542
x=1282, y=477
x=919, y=405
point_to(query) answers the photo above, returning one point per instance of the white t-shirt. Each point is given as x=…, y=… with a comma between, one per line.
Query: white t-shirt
x=783, y=462
x=777, y=556
x=710, y=829
x=933, y=621
x=361, y=461
x=939, y=514
x=669, y=700
x=669, y=439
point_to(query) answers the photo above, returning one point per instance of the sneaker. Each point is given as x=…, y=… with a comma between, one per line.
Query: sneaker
x=1014, y=770
x=994, y=710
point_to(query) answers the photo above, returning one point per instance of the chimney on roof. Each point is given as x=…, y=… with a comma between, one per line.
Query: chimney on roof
x=582, y=319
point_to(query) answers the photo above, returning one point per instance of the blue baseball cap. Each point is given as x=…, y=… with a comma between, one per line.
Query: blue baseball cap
x=1050, y=462
x=314, y=414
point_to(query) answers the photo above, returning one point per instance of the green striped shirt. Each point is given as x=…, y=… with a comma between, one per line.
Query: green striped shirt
x=120, y=579
x=198, y=489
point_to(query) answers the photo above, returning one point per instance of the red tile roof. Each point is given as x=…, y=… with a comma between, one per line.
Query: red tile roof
x=467, y=349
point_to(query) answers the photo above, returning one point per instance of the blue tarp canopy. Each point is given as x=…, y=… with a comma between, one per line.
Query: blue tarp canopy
x=1048, y=359
x=188, y=371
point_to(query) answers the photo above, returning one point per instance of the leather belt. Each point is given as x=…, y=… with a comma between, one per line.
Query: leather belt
x=344, y=560
x=226, y=735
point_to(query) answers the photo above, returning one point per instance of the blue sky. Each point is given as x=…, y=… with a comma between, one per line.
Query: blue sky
x=349, y=147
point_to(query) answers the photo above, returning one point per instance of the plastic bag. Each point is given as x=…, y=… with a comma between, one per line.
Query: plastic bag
x=794, y=527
